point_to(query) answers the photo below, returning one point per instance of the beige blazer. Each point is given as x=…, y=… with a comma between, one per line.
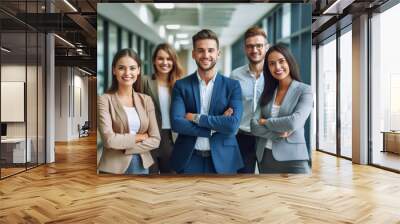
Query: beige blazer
x=118, y=143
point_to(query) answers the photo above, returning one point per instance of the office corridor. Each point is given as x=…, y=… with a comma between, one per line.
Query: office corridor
x=70, y=191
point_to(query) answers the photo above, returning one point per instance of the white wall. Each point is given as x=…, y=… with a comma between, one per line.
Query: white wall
x=223, y=63
x=190, y=63
x=69, y=85
x=16, y=73
x=61, y=103
x=80, y=83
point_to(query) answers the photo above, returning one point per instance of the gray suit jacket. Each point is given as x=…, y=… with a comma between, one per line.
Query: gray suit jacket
x=294, y=111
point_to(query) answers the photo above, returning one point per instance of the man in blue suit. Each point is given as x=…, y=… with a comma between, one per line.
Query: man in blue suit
x=206, y=109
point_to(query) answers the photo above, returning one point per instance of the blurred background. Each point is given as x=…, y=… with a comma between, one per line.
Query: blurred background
x=143, y=26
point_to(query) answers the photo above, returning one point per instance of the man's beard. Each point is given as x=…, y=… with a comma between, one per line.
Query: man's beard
x=212, y=65
x=254, y=62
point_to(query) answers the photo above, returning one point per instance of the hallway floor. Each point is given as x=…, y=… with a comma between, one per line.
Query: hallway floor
x=70, y=191
x=387, y=159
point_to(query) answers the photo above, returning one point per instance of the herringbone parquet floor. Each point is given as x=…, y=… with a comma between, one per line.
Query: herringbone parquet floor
x=70, y=191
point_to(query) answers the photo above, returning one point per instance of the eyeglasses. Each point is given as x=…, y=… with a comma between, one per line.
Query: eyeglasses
x=252, y=46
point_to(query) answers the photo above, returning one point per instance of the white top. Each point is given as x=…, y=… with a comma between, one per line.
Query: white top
x=202, y=143
x=252, y=89
x=133, y=119
x=165, y=101
x=274, y=113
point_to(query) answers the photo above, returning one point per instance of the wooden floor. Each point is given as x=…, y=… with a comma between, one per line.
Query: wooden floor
x=386, y=159
x=70, y=191
x=10, y=171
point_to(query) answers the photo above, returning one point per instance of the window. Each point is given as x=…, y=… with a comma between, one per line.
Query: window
x=112, y=49
x=100, y=56
x=286, y=17
x=385, y=86
x=346, y=93
x=134, y=44
x=125, y=39
x=327, y=96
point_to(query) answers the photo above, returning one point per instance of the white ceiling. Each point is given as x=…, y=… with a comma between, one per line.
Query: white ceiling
x=228, y=20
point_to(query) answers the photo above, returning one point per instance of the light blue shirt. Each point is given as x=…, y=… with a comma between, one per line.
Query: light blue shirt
x=206, y=90
x=252, y=89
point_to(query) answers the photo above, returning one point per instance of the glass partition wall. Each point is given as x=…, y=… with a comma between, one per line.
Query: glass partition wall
x=334, y=95
x=22, y=77
x=385, y=90
x=327, y=94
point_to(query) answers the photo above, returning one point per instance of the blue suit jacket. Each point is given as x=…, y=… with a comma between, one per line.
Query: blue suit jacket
x=224, y=148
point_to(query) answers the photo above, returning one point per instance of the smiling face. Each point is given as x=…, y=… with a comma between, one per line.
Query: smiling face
x=278, y=66
x=256, y=48
x=126, y=71
x=205, y=53
x=163, y=63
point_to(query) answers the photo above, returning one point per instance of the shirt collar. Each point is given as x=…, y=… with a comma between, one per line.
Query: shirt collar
x=201, y=81
x=251, y=74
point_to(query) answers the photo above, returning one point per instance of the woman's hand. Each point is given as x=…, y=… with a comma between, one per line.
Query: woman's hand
x=141, y=137
x=262, y=121
x=284, y=134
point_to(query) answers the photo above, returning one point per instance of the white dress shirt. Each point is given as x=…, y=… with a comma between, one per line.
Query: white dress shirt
x=252, y=89
x=133, y=119
x=274, y=113
x=206, y=90
x=165, y=101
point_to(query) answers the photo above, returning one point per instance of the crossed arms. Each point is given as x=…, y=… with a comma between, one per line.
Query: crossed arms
x=227, y=123
x=130, y=143
x=278, y=127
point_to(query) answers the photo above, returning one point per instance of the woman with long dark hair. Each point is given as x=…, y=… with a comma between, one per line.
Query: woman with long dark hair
x=159, y=86
x=127, y=121
x=278, y=123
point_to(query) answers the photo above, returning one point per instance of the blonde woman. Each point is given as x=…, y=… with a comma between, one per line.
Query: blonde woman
x=159, y=86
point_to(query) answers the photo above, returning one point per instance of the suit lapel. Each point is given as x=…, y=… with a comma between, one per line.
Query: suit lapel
x=287, y=100
x=268, y=107
x=119, y=110
x=154, y=89
x=216, y=88
x=196, y=91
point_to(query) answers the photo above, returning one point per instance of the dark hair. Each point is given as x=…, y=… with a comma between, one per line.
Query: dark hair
x=122, y=53
x=254, y=31
x=205, y=34
x=270, y=83
x=176, y=72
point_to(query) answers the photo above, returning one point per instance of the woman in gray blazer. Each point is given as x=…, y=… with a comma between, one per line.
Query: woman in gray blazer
x=278, y=123
x=159, y=86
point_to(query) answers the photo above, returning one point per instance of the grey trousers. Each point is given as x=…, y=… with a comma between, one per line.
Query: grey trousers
x=268, y=164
